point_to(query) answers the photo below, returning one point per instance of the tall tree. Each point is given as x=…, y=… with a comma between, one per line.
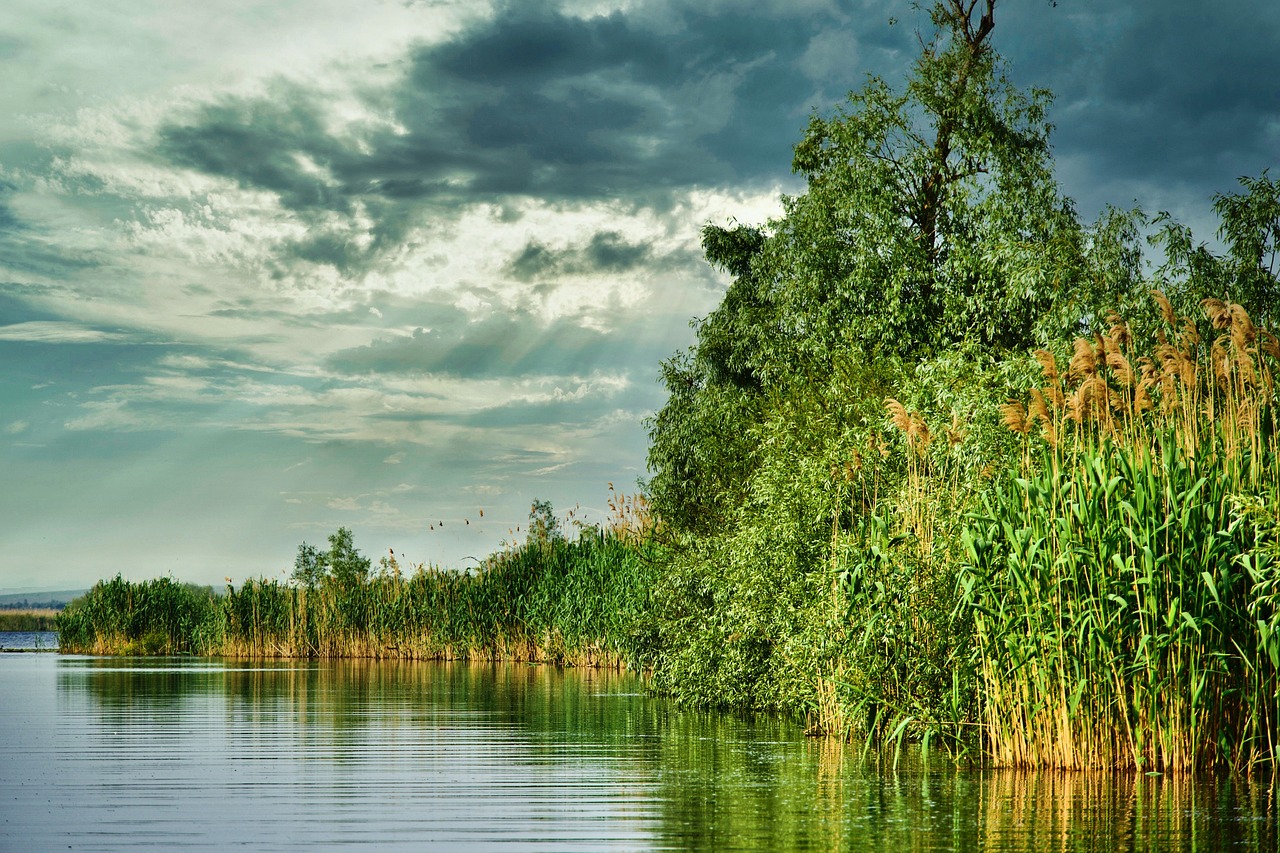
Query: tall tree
x=931, y=215
x=931, y=218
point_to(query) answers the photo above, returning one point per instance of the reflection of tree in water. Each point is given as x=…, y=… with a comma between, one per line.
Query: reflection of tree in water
x=709, y=781
x=543, y=703
x=824, y=795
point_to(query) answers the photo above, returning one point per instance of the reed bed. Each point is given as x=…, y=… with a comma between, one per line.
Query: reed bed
x=1125, y=591
x=33, y=619
x=154, y=617
x=568, y=602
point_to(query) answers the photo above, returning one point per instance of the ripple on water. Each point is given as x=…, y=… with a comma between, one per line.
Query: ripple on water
x=115, y=754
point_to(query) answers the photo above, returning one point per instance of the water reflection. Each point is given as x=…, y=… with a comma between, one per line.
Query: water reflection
x=113, y=753
x=276, y=756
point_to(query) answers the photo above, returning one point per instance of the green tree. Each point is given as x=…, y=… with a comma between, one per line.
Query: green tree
x=931, y=219
x=931, y=215
x=310, y=566
x=1251, y=229
x=348, y=567
x=343, y=563
x=544, y=527
x=1248, y=273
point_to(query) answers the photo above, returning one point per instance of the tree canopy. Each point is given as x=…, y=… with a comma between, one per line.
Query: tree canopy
x=931, y=220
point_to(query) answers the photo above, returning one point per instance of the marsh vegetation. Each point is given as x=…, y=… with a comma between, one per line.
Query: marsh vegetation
x=28, y=619
x=552, y=599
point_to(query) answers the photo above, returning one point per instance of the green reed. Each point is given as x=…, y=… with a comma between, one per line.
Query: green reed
x=1126, y=595
x=557, y=600
x=158, y=616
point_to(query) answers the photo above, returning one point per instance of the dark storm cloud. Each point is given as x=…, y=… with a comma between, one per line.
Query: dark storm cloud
x=534, y=103
x=623, y=104
x=282, y=144
x=258, y=143
x=1214, y=74
x=622, y=90
x=1168, y=99
x=605, y=252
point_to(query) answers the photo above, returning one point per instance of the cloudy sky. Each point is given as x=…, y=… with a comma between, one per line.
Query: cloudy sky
x=270, y=267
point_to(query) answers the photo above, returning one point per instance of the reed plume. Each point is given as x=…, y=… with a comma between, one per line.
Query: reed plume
x=1127, y=597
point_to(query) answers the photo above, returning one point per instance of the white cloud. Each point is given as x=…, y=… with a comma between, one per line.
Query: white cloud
x=59, y=332
x=110, y=416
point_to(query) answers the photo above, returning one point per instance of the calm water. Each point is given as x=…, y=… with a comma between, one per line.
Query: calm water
x=29, y=641
x=113, y=754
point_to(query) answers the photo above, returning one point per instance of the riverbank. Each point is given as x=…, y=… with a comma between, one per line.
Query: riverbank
x=1106, y=597
x=580, y=602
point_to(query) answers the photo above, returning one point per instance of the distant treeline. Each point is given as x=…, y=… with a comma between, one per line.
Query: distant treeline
x=26, y=604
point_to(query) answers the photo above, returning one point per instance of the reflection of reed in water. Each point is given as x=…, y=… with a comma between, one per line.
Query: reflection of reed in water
x=350, y=694
x=1088, y=811
x=832, y=757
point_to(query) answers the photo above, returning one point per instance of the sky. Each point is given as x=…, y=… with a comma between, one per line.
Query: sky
x=269, y=268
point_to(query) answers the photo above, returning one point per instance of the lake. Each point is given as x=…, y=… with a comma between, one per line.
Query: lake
x=117, y=753
x=28, y=641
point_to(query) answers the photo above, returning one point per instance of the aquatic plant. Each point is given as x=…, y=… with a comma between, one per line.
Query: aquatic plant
x=1126, y=594
x=160, y=616
x=573, y=601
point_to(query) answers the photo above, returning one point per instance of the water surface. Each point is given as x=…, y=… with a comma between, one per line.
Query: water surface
x=114, y=753
x=28, y=641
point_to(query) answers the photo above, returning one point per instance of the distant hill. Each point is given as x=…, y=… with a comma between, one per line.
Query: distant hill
x=54, y=600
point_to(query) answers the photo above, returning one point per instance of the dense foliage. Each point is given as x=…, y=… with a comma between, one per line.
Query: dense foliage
x=851, y=498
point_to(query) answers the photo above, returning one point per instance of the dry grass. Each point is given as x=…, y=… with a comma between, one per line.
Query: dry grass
x=1182, y=385
x=28, y=619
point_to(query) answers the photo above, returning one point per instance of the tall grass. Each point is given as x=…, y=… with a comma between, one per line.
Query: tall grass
x=899, y=671
x=557, y=600
x=1126, y=592
x=154, y=617
x=34, y=619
